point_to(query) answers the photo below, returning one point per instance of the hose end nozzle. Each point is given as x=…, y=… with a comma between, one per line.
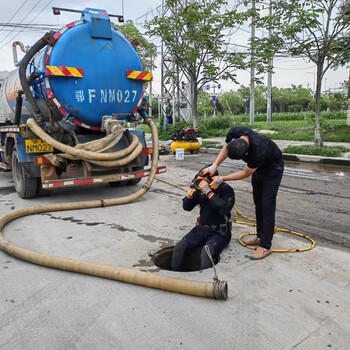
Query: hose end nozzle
x=220, y=290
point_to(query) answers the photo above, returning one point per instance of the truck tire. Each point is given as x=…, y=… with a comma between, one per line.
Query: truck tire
x=135, y=181
x=41, y=192
x=25, y=185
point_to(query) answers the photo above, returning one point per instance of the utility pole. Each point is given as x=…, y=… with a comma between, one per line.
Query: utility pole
x=252, y=68
x=269, y=78
x=170, y=89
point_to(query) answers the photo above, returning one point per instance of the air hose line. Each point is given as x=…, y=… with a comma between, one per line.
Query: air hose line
x=216, y=289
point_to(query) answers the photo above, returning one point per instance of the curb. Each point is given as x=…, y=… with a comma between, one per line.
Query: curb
x=297, y=158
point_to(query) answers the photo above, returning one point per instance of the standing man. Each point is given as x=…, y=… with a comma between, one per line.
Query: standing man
x=265, y=164
x=213, y=228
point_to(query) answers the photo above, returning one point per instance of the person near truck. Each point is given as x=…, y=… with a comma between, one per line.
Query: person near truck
x=264, y=162
x=213, y=229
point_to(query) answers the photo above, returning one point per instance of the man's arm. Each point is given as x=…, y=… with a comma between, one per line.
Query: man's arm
x=219, y=159
x=188, y=203
x=239, y=175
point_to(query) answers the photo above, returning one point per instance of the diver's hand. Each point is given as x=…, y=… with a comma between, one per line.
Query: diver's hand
x=211, y=170
x=204, y=187
x=191, y=192
x=216, y=182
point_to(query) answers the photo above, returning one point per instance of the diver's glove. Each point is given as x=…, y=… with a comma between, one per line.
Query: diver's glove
x=216, y=182
x=205, y=188
x=191, y=192
x=211, y=170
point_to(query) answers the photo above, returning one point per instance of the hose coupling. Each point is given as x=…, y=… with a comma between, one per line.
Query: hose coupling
x=220, y=290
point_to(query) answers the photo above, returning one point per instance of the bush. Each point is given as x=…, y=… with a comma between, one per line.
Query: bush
x=324, y=151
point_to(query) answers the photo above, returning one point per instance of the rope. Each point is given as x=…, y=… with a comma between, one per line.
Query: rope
x=252, y=222
x=207, y=250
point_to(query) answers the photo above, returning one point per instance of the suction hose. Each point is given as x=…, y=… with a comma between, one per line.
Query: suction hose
x=40, y=44
x=129, y=153
x=216, y=289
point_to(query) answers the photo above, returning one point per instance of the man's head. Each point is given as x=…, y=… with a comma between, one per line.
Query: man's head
x=237, y=148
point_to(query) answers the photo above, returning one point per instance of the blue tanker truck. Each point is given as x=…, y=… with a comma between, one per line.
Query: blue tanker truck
x=67, y=108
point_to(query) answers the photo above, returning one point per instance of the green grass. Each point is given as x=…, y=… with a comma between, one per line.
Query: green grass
x=324, y=151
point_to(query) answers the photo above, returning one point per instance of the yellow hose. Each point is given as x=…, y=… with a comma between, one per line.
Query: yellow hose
x=77, y=152
x=251, y=222
x=216, y=289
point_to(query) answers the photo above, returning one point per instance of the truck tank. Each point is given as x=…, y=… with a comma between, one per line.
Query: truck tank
x=87, y=73
x=79, y=88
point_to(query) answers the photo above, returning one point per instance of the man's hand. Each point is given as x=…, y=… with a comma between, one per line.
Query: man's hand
x=204, y=187
x=216, y=182
x=210, y=170
x=191, y=192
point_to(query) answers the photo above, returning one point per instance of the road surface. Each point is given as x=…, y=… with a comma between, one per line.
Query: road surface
x=287, y=301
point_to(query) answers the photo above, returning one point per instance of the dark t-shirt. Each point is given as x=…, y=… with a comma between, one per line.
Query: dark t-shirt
x=263, y=153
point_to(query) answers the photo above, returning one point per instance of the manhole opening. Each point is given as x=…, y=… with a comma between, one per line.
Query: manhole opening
x=162, y=259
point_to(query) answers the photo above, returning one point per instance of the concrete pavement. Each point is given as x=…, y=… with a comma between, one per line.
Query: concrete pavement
x=292, y=301
x=287, y=301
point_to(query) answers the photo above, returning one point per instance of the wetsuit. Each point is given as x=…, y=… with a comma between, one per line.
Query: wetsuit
x=213, y=228
x=266, y=157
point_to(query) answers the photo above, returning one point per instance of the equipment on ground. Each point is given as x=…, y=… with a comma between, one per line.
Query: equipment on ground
x=66, y=111
x=186, y=139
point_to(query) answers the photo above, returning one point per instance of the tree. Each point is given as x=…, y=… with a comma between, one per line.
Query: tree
x=146, y=49
x=196, y=38
x=317, y=30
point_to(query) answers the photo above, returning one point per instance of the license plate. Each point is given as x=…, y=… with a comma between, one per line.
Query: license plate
x=38, y=146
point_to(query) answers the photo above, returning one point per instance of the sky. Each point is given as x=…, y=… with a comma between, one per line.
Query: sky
x=288, y=71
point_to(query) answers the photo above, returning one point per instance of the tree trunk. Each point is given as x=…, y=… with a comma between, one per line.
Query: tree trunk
x=194, y=102
x=348, y=112
x=318, y=138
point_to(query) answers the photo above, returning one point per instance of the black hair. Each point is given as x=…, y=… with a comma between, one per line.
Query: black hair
x=237, y=148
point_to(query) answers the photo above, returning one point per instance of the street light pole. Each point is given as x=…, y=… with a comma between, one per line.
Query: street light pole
x=252, y=68
x=269, y=78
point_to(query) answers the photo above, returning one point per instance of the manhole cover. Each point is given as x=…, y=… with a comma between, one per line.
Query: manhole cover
x=162, y=259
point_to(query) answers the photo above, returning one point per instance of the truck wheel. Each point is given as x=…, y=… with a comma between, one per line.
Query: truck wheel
x=135, y=181
x=41, y=192
x=25, y=185
x=118, y=183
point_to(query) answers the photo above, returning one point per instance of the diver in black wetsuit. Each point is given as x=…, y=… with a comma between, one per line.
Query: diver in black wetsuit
x=213, y=228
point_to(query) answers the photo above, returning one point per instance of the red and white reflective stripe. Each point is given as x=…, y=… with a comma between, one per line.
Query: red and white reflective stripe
x=60, y=107
x=48, y=53
x=48, y=88
x=9, y=129
x=46, y=61
x=138, y=104
x=86, y=126
x=92, y=180
x=67, y=26
x=77, y=182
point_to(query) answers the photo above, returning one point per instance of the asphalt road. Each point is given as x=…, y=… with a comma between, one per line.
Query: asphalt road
x=313, y=199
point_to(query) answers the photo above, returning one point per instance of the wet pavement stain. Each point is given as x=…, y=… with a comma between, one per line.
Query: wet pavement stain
x=7, y=190
x=120, y=228
x=153, y=239
x=82, y=222
x=74, y=221
x=144, y=263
